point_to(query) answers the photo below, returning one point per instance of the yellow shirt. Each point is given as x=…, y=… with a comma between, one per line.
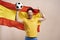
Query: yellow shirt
x=31, y=26
x=24, y=15
x=38, y=15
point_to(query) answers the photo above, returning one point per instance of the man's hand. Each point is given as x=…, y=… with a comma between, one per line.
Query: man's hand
x=42, y=19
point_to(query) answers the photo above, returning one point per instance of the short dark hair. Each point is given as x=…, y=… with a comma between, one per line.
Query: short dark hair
x=30, y=9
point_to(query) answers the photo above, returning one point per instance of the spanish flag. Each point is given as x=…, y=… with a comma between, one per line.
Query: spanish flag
x=8, y=12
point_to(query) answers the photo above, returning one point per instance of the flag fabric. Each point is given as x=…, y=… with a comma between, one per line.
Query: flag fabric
x=8, y=12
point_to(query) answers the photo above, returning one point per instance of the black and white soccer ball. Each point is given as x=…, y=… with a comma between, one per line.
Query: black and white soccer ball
x=19, y=5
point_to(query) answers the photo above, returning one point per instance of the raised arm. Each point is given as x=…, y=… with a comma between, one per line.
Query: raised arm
x=17, y=17
x=17, y=12
x=42, y=17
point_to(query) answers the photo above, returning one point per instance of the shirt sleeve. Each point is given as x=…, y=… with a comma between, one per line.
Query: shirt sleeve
x=39, y=22
x=39, y=15
x=22, y=15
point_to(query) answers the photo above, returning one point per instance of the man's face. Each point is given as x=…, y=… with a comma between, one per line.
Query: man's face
x=30, y=13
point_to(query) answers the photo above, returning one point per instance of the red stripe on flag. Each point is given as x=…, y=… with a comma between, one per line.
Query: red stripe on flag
x=11, y=23
x=13, y=7
x=8, y=5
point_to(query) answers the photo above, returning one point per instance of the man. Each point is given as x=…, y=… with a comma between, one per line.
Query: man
x=30, y=24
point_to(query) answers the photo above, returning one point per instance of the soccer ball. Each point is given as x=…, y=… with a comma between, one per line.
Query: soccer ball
x=19, y=6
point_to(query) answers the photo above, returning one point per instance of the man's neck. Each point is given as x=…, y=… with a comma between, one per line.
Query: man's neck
x=29, y=17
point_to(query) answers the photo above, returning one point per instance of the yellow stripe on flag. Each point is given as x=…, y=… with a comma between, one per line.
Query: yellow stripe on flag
x=7, y=13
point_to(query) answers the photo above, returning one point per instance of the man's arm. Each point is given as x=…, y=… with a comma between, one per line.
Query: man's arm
x=17, y=17
x=17, y=12
x=42, y=17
